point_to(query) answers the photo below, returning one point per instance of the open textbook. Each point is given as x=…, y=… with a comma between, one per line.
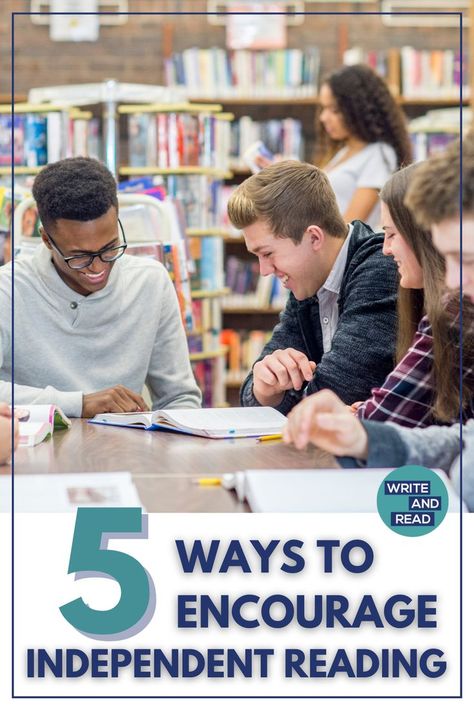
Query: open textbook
x=315, y=490
x=37, y=422
x=214, y=422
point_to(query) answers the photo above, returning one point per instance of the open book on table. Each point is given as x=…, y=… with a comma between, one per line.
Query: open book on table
x=214, y=422
x=37, y=422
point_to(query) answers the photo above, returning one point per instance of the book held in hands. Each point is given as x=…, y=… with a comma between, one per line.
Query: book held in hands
x=213, y=422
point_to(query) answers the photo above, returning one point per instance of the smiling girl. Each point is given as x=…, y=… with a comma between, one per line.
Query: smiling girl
x=422, y=388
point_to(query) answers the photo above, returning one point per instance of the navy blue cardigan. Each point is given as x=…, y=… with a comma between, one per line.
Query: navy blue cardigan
x=363, y=347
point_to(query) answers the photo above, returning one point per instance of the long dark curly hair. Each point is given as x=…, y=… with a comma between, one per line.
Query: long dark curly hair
x=369, y=111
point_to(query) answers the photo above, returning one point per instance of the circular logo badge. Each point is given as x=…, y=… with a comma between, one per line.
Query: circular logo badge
x=412, y=500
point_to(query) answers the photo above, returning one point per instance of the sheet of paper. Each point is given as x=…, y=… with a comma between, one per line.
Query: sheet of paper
x=65, y=492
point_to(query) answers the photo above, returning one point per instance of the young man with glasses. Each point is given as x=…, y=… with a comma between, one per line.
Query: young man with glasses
x=91, y=326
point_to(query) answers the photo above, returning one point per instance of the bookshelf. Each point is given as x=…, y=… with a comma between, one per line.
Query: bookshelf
x=263, y=106
x=184, y=147
x=42, y=133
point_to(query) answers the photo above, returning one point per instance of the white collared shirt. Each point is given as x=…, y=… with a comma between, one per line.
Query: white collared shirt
x=328, y=295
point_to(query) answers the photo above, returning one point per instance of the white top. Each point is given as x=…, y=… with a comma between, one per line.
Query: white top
x=328, y=295
x=128, y=333
x=369, y=168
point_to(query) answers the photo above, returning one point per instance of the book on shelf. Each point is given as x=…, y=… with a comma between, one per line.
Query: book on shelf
x=38, y=422
x=215, y=423
x=215, y=72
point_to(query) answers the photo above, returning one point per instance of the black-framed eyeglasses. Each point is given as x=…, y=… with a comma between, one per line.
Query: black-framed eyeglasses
x=81, y=261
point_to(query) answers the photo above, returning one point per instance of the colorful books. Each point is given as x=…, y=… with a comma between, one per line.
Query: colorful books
x=215, y=423
x=38, y=422
x=215, y=72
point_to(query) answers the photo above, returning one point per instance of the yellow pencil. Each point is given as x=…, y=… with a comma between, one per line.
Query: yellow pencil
x=208, y=481
x=267, y=438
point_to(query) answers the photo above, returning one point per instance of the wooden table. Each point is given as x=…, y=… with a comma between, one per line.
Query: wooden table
x=164, y=465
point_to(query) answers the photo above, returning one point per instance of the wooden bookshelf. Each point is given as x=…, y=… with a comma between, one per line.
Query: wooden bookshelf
x=184, y=107
x=207, y=355
x=433, y=101
x=270, y=310
x=20, y=169
x=206, y=232
x=183, y=170
x=209, y=294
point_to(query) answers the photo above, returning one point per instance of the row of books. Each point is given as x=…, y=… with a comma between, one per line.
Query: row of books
x=414, y=73
x=425, y=145
x=208, y=257
x=281, y=136
x=243, y=349
x=386, y=62
x=39, y=139
x=216, y=72
x=432, y=132
x=8, y=202
x=249, y=288
x=433, y=73
x=201, y=197
x=176, y=139
x=209, y=376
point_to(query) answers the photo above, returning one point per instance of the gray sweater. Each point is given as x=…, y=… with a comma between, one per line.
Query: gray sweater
x=362, y=349
x=66, y=345
x=391, y=445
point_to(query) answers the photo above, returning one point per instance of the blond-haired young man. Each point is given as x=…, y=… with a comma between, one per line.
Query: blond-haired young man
x=338, y=328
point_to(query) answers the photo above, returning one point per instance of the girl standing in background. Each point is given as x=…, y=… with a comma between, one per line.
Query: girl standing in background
x=364, y=140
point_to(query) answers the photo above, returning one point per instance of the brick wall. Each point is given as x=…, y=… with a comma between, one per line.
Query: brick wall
x=133, y=52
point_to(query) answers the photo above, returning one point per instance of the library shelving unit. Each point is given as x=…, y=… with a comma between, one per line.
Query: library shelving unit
x=185, y=146
x=42, y=133
x=244, y=317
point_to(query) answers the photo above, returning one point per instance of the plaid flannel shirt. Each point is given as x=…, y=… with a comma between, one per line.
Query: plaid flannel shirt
x=406, y=397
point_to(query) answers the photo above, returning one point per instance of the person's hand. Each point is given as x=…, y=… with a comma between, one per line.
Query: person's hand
x=279, y=371
x=262, y=161
x=6, y=423
x=324, y=420
x=5, y=410
x=116, y=399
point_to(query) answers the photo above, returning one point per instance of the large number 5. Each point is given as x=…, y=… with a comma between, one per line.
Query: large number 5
x=89, y=558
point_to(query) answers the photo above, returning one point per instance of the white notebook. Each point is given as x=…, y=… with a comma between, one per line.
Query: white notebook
x=315, y=490
x=214, y=422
